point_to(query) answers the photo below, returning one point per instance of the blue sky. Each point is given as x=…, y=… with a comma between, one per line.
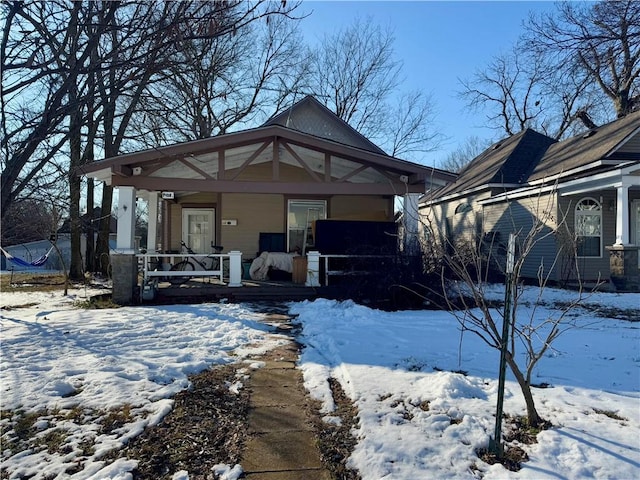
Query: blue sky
x=438, y=43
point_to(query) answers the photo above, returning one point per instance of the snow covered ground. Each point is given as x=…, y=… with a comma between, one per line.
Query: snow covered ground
x=64, y=359
x=417, y=418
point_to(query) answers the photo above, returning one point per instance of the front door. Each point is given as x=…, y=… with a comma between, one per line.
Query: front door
x=198, y=228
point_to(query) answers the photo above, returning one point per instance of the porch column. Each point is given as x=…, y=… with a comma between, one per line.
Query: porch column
x=152, y=233
x=124, y=265
x=235, y=269
x=410, y=221
x=622, y=215
x=313, y=269
x=126, y=220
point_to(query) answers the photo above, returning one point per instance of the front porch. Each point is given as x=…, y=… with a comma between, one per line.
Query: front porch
x=314, y=276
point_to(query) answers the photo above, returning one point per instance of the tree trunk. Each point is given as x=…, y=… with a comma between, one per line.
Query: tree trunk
x=102, y=243
x=533, y=419
x=75, y=148
x=90, y=260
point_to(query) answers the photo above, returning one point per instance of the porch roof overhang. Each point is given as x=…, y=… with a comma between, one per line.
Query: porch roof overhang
x=339, y=173
x=627, y=176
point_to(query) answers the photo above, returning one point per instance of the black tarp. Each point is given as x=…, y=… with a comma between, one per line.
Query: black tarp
x=352, y=237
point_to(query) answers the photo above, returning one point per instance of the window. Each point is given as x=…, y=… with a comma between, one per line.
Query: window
x=301, y=218
x=589, y=228
x=463, y=208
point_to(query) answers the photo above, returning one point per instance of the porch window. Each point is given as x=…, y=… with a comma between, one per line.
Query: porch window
x=301, y=217
x=589, y=228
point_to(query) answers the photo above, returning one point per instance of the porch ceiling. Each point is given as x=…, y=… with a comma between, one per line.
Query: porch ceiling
x=221, y=164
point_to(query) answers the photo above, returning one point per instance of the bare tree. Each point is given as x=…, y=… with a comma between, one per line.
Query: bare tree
x=469, y=261
x=355, y=73
x=59, y=57
x=36, y=81
x=408, y=128
x=600, y=38
x=219, y=83
x=573, y=68
x=460, y=157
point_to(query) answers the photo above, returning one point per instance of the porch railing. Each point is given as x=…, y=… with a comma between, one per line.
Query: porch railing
x=349, y=268
x=228, y=266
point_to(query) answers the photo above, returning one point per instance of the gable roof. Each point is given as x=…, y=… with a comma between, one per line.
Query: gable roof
x=330, y=164
x=312, y=117
x=507, y=162
x=602, y=143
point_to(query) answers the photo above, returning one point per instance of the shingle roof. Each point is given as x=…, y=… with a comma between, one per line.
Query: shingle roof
x=312, y=117
x=507, y=162
x=584, y=149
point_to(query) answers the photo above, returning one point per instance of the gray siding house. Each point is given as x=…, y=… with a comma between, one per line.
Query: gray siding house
x=581, y=195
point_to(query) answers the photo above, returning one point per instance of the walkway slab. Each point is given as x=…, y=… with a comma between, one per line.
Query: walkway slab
x=275, y=377
x=309, y=474
x=281, y=418
x=282, y=444
x=281, y=451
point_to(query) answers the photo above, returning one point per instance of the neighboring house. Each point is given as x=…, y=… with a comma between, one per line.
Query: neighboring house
x=589, y=184
x=259, y=189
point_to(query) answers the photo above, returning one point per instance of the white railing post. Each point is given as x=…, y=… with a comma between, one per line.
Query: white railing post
x=235, y=269
x=313, y=269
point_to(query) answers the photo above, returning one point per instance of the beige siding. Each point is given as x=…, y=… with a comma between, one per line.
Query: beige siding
x=208, y=200
x=361, y=208
x=254, y=214
x=443, y=219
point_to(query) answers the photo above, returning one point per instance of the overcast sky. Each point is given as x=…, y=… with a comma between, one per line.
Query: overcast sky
x=438, y=43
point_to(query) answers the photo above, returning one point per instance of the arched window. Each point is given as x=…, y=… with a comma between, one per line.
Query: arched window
x=589, y=228
x=463, y=208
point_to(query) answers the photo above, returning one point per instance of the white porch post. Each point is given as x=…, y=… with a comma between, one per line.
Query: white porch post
x=410, y=221
x=622, y=215
x=313, y=269
x=152, y=239
x=235, y=269
x=126, y=219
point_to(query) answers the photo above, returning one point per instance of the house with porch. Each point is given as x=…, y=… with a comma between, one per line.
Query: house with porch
x=268, y=188
x=583, y=193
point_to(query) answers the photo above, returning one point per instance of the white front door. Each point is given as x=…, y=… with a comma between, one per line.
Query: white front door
x=198, y=228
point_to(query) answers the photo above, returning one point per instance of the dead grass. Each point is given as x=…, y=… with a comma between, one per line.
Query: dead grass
x=31, y=282
x=336, y=441
x=207, y=426
x=609, y=413
x=517, y=431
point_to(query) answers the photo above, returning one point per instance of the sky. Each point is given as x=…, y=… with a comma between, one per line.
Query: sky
x=438, y=43
x=425, y=393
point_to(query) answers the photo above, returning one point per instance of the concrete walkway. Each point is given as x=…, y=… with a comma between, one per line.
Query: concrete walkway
x=281, y=445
